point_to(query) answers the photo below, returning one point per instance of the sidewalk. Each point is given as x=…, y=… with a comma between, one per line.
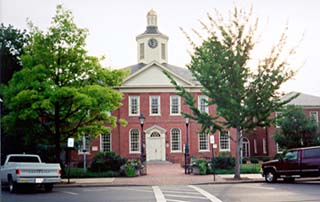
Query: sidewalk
x=167, y=174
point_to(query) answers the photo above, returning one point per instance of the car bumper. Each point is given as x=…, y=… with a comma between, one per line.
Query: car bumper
x=38, y=180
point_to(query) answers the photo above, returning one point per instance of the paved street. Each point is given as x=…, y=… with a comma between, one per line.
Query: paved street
x=241, y=192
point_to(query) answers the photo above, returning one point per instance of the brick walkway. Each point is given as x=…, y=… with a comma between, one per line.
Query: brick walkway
x=161, y=174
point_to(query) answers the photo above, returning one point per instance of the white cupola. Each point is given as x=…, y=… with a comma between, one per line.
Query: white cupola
x=152, y=45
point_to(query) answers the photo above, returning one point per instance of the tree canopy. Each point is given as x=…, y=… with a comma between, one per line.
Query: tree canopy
x=296, y=129
x=244, y=96
x=12, y=41
x=61, y=88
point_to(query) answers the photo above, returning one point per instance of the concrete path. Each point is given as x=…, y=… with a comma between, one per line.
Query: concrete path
x=162, y=174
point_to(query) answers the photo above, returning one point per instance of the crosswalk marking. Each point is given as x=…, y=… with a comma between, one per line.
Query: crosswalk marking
x=158, y=194
x=186, y=196
x=174, y=200
x=206, y=194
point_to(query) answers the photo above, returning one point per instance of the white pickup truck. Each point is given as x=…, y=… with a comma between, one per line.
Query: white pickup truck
x=27, y=169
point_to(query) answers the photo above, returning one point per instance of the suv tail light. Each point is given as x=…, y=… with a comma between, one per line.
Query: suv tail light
x=60, y=171
x=18, y=171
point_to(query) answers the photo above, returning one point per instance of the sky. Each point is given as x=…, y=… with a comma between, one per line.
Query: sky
x=114, y=24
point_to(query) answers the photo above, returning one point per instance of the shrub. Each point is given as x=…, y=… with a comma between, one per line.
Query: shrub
x=254, y=160
x=265, y=158
x=244, y=161
x=79, y=173
x=223, y=162
x=107, y=161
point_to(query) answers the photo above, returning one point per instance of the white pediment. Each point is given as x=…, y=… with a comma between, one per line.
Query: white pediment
x=155, y=128
x=152, y=75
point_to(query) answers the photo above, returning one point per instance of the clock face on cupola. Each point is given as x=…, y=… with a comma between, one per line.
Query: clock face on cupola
x=152, y=45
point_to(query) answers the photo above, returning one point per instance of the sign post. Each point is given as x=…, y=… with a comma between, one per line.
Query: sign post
x=214, y=146
x=70, y=145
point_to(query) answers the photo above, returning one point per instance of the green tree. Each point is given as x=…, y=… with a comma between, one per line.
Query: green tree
x=12, y=41
x=243, y=97
x=61, y=88
x=296, y=130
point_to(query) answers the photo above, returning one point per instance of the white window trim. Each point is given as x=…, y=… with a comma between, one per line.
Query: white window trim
x=206, y=150
x=317, y=116
x=130, y=149
x=179, y=103
x=278, y=149
x=175, y=151
x=255, y=147
x=101, y=143
x=80, y=151
x=150, y=105
x=224, y=150
x=200, y=97
x=264, y=145
x=138, y=106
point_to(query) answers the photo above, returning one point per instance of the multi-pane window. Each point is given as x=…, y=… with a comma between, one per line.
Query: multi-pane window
x=255, y=146
x=314, y=116
x=175, y=105
x=203, y=142
x=279, y=149
x=154, y=105
x=175, y=140
x=224, y=141
x=264, y=143
x=203, y=103
x=163, y=51
x=134, y=105
x=134, y=141
x=105, y=140
x=141, y=51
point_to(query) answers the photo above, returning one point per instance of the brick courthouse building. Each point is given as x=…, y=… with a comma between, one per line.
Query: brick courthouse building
x=149, y=92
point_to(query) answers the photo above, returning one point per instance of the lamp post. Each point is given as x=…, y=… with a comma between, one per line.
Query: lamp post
x=141, y=119
x=186, y=149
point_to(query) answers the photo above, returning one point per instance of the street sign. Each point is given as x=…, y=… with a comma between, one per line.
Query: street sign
x=70, y=142
x=211, y=139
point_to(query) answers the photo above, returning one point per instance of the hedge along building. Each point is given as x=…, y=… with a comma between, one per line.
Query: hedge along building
x=148, y=91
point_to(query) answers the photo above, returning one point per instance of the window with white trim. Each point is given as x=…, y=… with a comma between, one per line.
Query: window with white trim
x=264, y=143
x=175, y=140
x=255, y=146
x=279, y=149
x=203, y=103
x=224, y=141
x=141, y=51
x=203, y=142
x=163, y=51
x=175, y=106
x=134, y=141
x=134, y=105
x=314, y=116
x=154, y=105
x=105, y=140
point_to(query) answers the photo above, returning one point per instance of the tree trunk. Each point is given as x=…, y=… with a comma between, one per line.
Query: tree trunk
x=57, y=132
x=238, y=155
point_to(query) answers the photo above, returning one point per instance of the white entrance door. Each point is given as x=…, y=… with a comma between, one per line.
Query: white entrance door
x=245, y=148
x=155, y=147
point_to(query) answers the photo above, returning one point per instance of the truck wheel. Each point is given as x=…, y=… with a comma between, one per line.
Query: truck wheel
x=12, y=186
x=48, y=187
x=270, y=176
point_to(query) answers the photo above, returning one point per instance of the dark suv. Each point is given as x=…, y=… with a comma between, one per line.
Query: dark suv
x=301, y=162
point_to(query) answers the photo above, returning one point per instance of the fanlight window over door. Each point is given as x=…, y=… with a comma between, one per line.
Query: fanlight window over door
x=155, y=134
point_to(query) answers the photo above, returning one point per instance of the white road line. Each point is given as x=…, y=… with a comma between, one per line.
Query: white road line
x=258, y=187
x=206, y=194
x=181, y=192
x=158, y=194
x=186, y=196
x=68, y=192
x=173, y=200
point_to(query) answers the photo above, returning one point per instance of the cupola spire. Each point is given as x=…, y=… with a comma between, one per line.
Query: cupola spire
x=152, y=18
